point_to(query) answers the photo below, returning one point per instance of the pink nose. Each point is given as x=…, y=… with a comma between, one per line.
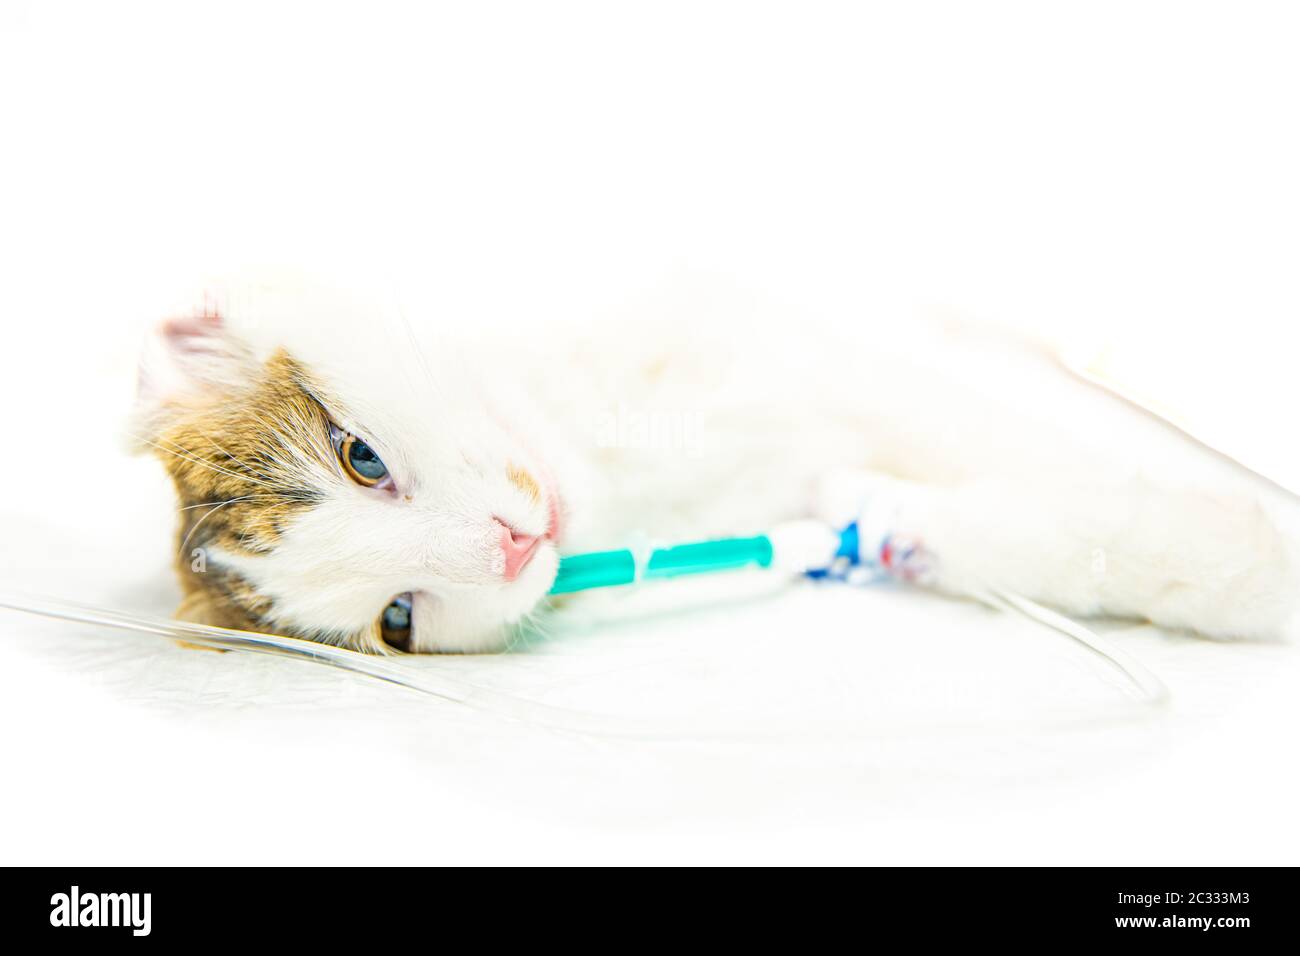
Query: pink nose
x=517, y=548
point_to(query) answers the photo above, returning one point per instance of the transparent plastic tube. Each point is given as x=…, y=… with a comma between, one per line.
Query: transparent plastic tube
x=1142, y=684
x=421, y=680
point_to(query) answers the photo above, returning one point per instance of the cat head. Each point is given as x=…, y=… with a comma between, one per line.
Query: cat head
x=340, y=480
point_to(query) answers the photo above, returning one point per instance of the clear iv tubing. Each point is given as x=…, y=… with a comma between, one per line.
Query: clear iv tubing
x=379, y=668
x=601, y=569
x=1141, y=683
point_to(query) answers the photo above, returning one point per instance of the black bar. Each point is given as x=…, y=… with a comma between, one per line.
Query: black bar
x=334, y=907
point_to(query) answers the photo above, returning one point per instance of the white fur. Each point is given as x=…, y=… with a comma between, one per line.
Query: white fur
x=699, y=413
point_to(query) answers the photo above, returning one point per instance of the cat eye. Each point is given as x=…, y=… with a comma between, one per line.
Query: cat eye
x=360, y=462
x=395, y=624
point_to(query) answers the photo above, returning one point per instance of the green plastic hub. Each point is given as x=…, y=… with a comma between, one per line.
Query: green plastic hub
x=603, y=569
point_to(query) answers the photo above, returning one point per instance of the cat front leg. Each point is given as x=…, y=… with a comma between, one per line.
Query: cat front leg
x=1218, y=562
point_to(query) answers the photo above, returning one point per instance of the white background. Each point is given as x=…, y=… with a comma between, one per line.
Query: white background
x=1117, y=175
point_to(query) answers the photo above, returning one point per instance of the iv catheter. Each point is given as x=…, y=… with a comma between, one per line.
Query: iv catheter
x=804, y=547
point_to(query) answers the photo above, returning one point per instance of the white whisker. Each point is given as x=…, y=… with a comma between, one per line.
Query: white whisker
x=186, y=455
x=205, y=517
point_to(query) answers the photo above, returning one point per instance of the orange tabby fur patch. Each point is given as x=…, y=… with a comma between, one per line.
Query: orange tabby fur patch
x=237, y=465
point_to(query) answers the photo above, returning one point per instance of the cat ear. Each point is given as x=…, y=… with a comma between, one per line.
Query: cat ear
x=188, y=363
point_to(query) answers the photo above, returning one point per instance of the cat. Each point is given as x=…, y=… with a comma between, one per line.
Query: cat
x=405, y=484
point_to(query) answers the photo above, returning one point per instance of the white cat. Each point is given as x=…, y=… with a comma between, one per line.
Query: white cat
x=383, y=482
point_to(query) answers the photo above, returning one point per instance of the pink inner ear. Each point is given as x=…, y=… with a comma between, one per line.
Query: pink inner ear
x=194, y=334
x=182, y=354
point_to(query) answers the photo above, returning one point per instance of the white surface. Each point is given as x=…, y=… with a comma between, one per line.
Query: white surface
x=1119, y=171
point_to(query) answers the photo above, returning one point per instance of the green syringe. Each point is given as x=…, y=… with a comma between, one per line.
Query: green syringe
x=809, y=544
x=602, y=569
